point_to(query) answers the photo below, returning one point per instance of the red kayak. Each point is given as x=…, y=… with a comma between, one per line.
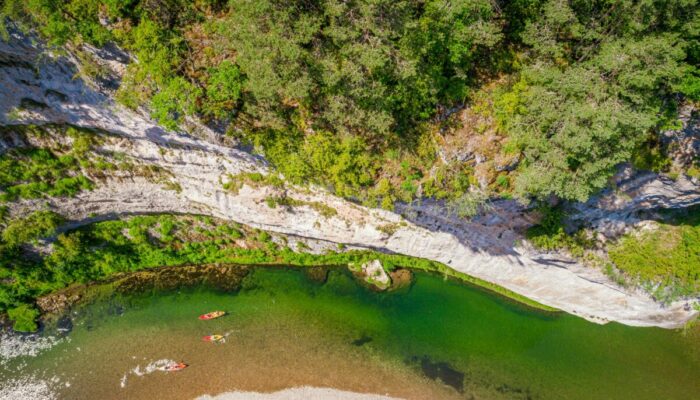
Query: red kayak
x=212, y=338
x=212, y=315
x=175, y=367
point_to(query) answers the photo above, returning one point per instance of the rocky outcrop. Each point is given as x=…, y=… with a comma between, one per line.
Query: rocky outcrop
x=482, y=248
x=683, y=145
x=636, y=198
x=373, y=274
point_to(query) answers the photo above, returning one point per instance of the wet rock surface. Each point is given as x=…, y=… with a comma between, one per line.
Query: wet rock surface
x=317, y=274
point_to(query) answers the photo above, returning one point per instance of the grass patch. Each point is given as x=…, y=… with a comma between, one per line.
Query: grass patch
x=325, y=210
x=252, y=179
x=665, y=261
x=32, y=173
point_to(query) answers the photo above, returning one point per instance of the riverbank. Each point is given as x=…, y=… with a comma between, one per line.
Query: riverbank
x=167, y=251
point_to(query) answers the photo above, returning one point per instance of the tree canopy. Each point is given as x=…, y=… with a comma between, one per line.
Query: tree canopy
x=587, y=81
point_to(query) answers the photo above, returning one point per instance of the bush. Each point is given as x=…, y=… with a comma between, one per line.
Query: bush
x=174, y=102
x=550, y=234
x=223, y=89
x=24, y=318
x=37, y=225
x=667, y=259
x=469, y=204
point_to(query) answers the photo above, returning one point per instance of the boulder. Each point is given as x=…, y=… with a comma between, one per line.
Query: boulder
x=373, y=273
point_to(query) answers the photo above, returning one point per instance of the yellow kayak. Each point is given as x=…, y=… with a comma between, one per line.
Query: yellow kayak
x=212, y=315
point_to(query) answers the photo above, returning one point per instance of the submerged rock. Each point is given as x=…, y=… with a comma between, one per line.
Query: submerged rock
x=444, y=372
x=400, y=278
x=57, y=302
x=317, y=274
x=222, y=277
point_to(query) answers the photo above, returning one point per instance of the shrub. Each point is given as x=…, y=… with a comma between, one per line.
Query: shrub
x=223, y=89
x=667, y=259
x=37, y=225
x=24, y=318
x=174, y=102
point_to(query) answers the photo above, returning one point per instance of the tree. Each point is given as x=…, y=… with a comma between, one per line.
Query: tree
x=596, y=83
x=223, y=89
x=174, y=102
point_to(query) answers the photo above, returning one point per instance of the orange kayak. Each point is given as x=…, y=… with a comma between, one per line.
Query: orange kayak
x=212, y=315
x=212, y=338
x=175, y=367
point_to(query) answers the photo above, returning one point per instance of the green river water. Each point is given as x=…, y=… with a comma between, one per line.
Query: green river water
x=437, y=339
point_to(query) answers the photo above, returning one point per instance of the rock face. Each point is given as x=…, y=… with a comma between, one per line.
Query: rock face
x=683, y=144
x=638, y=195
x=613, y=213
x=481, y=248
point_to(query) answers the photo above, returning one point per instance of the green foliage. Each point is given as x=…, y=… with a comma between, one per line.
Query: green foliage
x=362, y=67
x=650, y=157
x=33, y=173
x=252, y=179
x=322, y=157
x=223, y=89
x=34, y=226
x=550, y=235
x=594, y=86
x=690, y=84
x=174, y=102
x=666, y=260
x=24, y=318
x=469, y=204
x=326, y=211
x=60, y=21
x=326, y=89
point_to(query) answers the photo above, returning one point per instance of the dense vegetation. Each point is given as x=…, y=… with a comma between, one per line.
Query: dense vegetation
x=346, y=94
x=666, y=260
x=104, y=249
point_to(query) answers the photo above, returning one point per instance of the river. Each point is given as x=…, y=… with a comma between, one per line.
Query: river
x=436, y=339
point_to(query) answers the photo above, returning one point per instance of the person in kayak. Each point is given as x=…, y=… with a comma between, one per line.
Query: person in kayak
x=213, y=338
x=212, y=315
x=176, y=367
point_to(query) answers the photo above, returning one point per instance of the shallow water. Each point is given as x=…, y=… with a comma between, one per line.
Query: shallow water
x=438, y=339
